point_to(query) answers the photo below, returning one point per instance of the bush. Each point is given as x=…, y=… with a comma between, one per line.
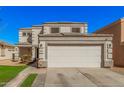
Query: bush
x=26, y=58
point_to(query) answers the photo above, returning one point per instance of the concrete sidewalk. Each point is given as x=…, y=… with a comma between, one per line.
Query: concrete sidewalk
x=23, y=74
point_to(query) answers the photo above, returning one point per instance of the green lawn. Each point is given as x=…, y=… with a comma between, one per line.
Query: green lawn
x=9, y=72
x=29, y=80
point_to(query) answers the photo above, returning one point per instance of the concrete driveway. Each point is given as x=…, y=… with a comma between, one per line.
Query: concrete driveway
x=79, y=77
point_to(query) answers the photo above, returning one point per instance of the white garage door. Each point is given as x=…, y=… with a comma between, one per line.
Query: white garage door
x=74, y=56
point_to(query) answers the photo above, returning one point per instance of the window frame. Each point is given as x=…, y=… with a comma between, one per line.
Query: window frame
x=24, y=34
x=52, y=31
x=76, y=31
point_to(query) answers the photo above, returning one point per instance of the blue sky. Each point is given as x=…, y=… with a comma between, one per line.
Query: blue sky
x=13, y=18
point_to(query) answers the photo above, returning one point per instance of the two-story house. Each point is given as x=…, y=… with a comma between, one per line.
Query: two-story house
x=65, y=44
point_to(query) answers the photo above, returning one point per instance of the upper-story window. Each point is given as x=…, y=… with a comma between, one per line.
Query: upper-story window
x=54, y=30
x=24, y=34
x=76, y=30
x=29, y=34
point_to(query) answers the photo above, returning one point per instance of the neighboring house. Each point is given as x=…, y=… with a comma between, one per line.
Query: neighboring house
x=65, y=44
x=117, y=29
x=6, y=50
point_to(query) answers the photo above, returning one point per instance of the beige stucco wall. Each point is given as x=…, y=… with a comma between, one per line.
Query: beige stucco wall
x=65, y=28
x=46, y=30
x=23, y=39
x=117, y=29
x=35, y=32
x=8, y=51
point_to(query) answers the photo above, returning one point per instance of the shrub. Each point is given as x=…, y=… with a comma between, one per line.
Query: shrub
x=26, y=58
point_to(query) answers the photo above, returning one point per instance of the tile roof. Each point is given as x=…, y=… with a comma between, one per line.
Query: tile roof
x=24, y=43
x=6, y=44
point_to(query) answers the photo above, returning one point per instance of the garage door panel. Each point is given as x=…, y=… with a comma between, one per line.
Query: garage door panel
x=74, y=56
